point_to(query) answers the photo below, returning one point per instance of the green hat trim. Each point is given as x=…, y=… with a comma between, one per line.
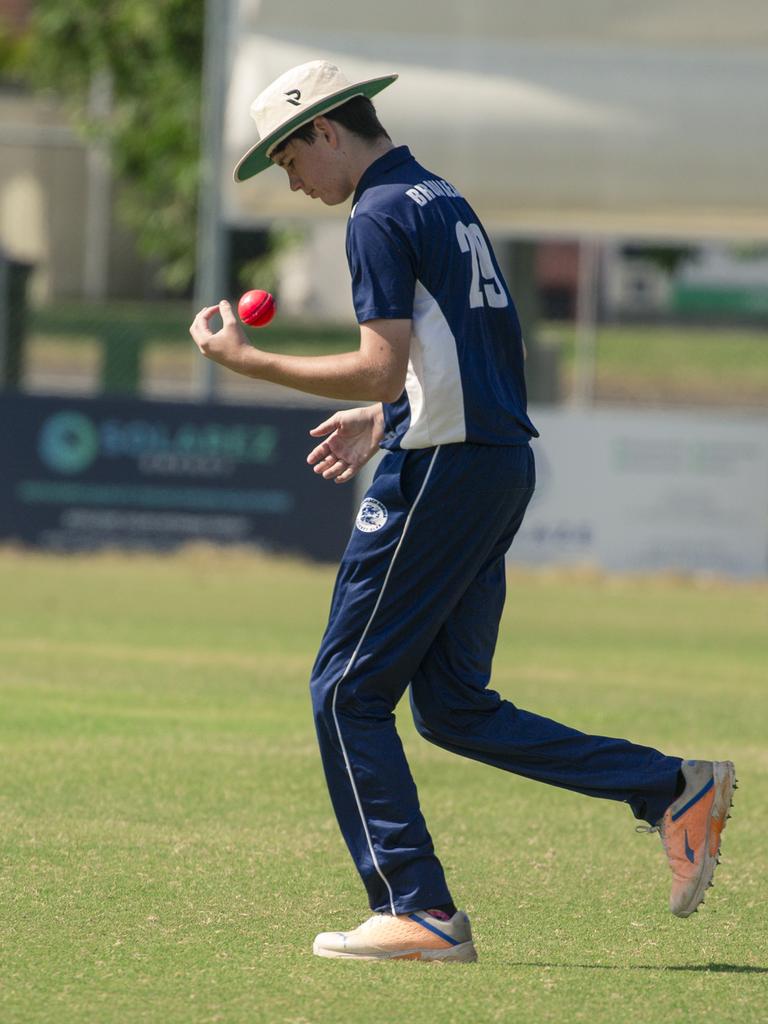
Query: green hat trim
x=256, y=159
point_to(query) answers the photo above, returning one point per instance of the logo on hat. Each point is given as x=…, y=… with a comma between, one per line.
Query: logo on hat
x=296, y=94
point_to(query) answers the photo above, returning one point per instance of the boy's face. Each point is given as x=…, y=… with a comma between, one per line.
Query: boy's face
x=319, y=169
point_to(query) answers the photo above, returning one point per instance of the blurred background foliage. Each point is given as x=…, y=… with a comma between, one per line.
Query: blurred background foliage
x=145, y=56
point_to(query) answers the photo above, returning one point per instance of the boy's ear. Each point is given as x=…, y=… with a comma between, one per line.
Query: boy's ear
x=328, y=130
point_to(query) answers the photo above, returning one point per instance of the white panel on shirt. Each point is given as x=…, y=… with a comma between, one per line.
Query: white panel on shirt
x=433, y=381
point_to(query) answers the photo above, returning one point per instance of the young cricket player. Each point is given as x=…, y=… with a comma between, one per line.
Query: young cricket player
x=421, y=586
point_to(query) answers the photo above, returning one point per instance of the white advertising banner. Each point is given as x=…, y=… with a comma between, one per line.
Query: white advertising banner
x=649, y=491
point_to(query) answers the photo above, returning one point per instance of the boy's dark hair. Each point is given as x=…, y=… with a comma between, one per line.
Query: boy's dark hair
x=357, y=115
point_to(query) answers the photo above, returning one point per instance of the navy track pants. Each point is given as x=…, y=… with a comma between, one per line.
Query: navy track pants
x=417, y=600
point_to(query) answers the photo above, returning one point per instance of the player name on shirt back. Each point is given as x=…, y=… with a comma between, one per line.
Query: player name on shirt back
x=433, y=188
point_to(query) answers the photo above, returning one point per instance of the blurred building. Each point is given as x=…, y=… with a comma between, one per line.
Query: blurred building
x=16, y=12
x=57, y=197
x=48, y=218
x=712, y=282
x=557, y=277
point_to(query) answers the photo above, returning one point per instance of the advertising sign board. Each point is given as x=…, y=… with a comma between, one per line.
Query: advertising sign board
x=85, y=473
x=649, y=490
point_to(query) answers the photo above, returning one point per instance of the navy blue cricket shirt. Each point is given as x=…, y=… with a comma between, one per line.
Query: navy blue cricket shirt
x=417, y=251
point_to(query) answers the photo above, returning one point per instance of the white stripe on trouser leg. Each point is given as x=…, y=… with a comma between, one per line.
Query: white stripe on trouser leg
x=347, y=670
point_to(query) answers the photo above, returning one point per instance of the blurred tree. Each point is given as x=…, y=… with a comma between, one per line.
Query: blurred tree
x=667, y=257
x=9, y=51
x=254, y=256
x=150, y=52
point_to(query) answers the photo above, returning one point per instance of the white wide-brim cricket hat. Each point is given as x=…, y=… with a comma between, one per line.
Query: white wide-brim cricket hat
x=293, y=99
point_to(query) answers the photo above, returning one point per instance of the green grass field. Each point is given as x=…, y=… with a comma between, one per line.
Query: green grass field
x=169, y=851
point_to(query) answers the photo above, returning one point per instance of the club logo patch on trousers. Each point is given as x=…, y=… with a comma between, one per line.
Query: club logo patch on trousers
x=372, y=515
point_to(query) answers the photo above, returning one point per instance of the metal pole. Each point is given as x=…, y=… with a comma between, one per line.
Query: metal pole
x=211, y=248
x=585, y=354
x=98, y=169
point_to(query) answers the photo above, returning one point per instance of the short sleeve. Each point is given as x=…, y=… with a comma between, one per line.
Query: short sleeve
x=382, y=263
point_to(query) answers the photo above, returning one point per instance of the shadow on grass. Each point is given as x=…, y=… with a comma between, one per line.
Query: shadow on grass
x=705, y=968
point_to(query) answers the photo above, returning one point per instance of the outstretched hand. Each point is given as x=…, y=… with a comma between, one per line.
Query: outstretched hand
x=353, y=438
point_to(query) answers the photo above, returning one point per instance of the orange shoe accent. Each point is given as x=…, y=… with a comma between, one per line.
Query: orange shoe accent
x=691, y=831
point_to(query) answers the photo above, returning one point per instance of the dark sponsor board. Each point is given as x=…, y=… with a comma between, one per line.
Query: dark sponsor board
x=85, y=473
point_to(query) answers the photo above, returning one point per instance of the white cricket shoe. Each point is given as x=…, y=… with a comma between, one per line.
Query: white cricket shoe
x=414, y=936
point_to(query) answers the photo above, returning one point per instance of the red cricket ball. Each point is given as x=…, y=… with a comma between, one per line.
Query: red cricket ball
x=256, y=308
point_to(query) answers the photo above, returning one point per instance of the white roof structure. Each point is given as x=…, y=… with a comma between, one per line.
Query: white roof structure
x=556, y=118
